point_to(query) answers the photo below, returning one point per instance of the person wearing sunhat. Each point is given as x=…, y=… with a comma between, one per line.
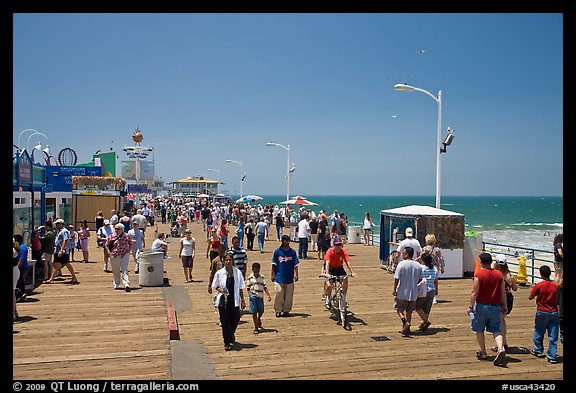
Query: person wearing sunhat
x=61, y=252
x=118, y=246
x=103, y=234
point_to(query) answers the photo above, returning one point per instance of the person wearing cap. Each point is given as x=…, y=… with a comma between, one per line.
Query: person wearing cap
x=103, y=234
x=335, y=259
x=509, y=286
x=409, y=241
x=118, y=245
x=187, y=253
x=284, y=275
x=61, y=255
x=487, y=304
x=138, y=242
x=47, y=240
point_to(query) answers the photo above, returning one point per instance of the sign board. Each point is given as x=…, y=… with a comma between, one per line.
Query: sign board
x=60, y=177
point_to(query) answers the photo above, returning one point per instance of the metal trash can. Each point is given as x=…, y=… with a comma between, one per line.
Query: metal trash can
x=151, y=271
x=354, y=235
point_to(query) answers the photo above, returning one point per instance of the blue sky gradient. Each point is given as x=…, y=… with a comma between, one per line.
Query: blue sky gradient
x=205, y=87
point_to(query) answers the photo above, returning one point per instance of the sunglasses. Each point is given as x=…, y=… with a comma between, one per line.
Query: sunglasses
x=338, y=245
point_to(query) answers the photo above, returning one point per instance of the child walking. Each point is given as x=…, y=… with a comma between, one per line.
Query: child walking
x=547, y=319
x=256, y=285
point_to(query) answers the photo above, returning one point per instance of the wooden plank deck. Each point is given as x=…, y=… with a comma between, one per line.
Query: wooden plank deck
x=90, y=331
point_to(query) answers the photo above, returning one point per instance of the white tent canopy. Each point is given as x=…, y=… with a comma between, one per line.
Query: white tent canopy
x=417, y=210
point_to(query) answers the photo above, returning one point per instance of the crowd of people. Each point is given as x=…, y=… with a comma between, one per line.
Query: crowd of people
x=416, y=274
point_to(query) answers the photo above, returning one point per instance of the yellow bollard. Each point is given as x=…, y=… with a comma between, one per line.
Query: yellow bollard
x=521, y=277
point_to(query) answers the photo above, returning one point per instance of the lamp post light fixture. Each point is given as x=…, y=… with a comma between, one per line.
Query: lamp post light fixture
x=407, y=88
x=218, y=185
x=19, y=136
x=31, y=135
x=241, y=174
x=288, y=169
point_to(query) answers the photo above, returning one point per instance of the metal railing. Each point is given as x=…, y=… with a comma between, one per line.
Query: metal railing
x=534, y=260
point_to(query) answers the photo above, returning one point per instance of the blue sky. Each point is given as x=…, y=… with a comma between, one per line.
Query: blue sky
x=204, y=88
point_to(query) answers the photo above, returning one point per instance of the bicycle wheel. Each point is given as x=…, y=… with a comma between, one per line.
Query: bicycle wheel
x=342, y=308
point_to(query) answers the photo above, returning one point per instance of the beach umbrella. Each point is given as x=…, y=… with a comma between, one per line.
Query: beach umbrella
x=203, y=196
x=249, y=198
x=299, y=200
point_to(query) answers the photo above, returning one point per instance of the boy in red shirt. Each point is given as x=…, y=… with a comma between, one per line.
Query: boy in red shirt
x=547, y=319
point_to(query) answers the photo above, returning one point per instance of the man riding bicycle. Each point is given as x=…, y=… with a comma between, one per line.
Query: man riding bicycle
x=335, y=258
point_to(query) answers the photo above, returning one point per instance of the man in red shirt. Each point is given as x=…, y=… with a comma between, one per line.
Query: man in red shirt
x=486, y=307
x=335, y=258
x=547, y=318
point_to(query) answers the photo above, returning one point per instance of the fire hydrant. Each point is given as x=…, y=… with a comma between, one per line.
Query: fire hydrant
x=521, y=277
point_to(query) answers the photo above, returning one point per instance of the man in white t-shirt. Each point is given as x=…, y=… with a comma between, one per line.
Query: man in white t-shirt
x=303, y=235
x=409, y=242
x=161, y=245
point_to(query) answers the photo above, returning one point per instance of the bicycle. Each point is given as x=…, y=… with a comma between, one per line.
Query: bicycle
x=338, y=303
x=390, y=263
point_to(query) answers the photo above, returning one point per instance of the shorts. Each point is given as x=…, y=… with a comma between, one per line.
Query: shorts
x=339, y=271
x=509, y=302
x=187, y=260
x=256, y=304
x=425, y=303
x=62, y=259
x=404, y=305
x=486, y=317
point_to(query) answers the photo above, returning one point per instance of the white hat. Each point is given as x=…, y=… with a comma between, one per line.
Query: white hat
x=106, y=222
x=59, y=221
x=501, y=259
x=409, y=231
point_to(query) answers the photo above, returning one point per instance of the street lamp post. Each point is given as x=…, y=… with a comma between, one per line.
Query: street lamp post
x=241, y=174
x=404, y=87
x=19, y=136
x=287, y=148
x=218, y=185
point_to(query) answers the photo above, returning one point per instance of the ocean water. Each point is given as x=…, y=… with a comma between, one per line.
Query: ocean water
x=525, y=221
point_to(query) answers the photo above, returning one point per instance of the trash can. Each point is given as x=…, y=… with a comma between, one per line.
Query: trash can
x=354, y=235
x=151, y=271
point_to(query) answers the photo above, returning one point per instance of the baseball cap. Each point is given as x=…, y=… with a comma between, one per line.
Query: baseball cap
x=409, y=231
x=485, y=257
x=106, y=222
x=59, y=221
x=337, y=240
x=501, y=259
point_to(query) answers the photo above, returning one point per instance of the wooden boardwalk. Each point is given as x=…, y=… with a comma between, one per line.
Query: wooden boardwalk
x=90, y=331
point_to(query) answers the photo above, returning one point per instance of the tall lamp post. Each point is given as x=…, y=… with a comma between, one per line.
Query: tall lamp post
x=241, y=174
x=218, y=185
x=287, y=148
x=408, y=88
x=19, y=136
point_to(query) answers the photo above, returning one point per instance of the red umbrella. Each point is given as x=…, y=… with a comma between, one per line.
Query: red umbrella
x=299, y=200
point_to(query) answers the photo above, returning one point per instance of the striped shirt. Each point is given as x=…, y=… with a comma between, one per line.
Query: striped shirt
x=256, y=285
x=240, y=259
x=430, y=275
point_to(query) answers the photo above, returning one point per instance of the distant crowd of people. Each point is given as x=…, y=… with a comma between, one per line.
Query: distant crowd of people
x=416, y=273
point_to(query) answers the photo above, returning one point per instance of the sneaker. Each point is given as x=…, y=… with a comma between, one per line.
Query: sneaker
x=327, y=304
x=278, y=315
x=167, y=257
x=127, y=289
x=537, y=354
x=434, y=301
x=406, y=329
x=424, y=326
x=552, y=361
x=499, y=359
x=481, y=356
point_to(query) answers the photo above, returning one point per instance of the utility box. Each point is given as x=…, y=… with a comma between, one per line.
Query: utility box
x=354, y=235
